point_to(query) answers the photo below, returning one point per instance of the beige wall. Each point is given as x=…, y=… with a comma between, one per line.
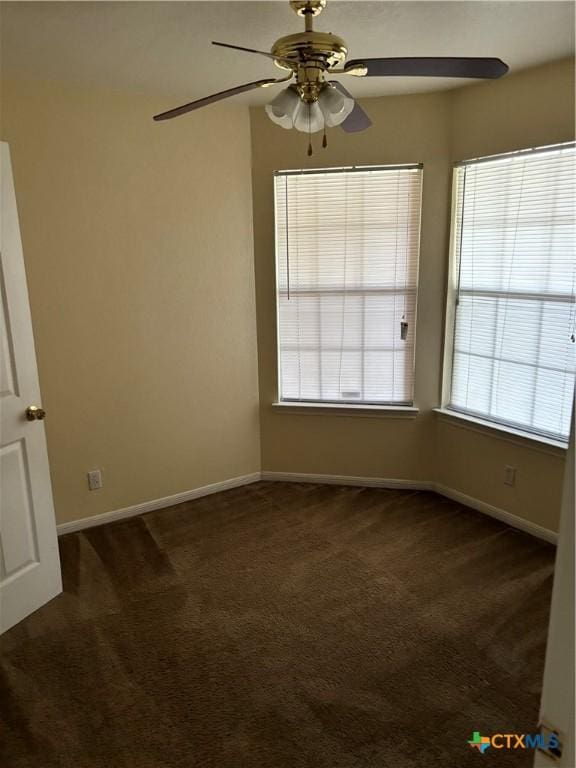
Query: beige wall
x=530, y=108
x=138, y=248
x=410, y=129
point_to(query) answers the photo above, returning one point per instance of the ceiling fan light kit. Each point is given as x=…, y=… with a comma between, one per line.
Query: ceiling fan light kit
x=330, y=109
x=312, y=102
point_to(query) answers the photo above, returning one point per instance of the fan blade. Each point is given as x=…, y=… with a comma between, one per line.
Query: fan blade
x=253, y=50
x=431, y=67
x=357, y=120
x=216, y=97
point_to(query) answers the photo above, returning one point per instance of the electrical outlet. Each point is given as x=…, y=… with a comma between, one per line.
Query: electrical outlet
x=94, y=479
x=509, y=475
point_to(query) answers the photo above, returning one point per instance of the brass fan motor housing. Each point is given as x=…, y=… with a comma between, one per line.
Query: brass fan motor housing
x=307, y=7
x=322, y=48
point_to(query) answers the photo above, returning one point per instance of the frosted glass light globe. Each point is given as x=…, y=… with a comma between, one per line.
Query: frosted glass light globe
x=309, y=118
x=335, y=106
x=284, y=107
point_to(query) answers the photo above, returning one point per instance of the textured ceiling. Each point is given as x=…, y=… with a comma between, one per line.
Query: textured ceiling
x=164, y=47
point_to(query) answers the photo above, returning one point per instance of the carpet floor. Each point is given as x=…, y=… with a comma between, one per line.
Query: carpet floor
x=282, y=626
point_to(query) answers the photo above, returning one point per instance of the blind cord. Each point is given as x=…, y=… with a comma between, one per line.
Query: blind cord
x=396, y=229
x=287, y=239
x=403, y=321
x=471, y=324
x=571, y=326
x=507, y=300
x=461, y=235
x=345, y=283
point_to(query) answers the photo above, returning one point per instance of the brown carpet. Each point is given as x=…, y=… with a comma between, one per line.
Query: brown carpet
x=282, y=626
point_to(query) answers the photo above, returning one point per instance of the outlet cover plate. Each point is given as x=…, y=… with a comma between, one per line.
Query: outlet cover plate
x=94, y=479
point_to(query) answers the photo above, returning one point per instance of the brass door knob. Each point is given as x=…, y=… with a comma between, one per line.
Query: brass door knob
x=33, y=412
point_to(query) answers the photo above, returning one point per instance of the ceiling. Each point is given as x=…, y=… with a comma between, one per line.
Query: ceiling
x=164, y=47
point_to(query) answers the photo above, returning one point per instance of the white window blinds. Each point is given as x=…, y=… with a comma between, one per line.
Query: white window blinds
x=514, y=244
x=347, y=262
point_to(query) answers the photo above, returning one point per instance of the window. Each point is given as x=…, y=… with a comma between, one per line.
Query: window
x=346, y=264
x=513, y=302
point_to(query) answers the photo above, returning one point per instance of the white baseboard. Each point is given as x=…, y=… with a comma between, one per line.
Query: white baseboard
x=421, y=485
x=368, y=482
x=291, y=477
x=500, y=514
x=150, y=506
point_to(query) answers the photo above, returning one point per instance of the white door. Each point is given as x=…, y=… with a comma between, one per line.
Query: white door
x=29, y=561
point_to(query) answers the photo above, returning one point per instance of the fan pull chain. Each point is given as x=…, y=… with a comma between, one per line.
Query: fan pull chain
x=309, y=147
x=309, y=132
x=324, y=139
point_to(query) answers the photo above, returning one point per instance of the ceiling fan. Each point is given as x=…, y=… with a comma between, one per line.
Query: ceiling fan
x=313, y=102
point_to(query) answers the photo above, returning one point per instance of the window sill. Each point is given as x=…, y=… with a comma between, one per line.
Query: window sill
x=524, y=439
x=348, y=409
